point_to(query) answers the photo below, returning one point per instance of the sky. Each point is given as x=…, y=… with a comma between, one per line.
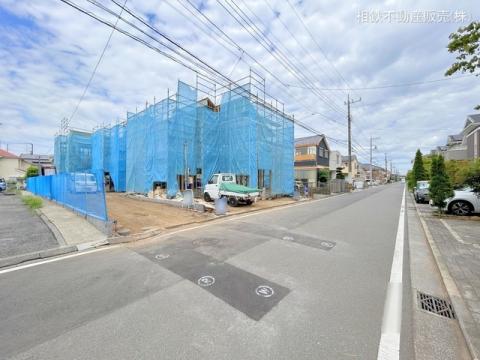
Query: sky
x=315, y=53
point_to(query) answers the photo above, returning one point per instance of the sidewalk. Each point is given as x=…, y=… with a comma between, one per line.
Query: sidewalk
x=456, y=245
x=73, y=228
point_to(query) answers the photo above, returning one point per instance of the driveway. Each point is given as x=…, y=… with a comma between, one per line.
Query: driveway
x=21, y=230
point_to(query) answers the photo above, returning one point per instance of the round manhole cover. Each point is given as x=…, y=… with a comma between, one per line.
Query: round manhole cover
x=327, y=244
x=264, y=291
x=206, y=281
x=288, y=238
x=162, y=256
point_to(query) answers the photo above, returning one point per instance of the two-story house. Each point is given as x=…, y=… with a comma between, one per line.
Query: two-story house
x=471, y=133
x=354, y=174
x=335, y=163
x=312, y=154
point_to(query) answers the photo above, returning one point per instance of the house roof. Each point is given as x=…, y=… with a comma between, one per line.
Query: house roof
x=456, y=137
x=8, y=155
x=345, y=158
x=309, y=140
x=473, y=119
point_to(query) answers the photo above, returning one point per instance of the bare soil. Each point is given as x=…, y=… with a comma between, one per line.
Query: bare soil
x=138, y=216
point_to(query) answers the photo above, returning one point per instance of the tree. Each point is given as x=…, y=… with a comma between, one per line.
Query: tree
x=440, y=186
x=418, y=168
x=32, y=171
x=473, y=176
x=322, y=175
x=339, y=174
x=465, y=42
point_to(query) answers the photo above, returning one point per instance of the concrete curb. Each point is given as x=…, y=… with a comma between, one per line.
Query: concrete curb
x=465, y=318
x=43, y=254
x=53, y=228
x=18, y=259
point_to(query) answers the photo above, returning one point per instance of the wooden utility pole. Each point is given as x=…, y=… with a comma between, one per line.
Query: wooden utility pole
x=349, y=121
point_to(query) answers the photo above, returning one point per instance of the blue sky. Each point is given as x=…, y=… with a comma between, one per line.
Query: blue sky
x=48, y=50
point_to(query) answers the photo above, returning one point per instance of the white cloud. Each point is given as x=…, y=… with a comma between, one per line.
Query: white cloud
x=49, y=50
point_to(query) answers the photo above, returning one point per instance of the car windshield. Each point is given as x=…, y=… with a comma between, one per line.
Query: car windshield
x=423, y=185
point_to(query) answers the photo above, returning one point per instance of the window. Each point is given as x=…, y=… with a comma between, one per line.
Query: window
x=213, y=179
x=227, y=178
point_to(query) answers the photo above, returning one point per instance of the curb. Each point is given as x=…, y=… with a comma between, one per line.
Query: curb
x=43, y=254
x=53, y=228
x=18, y=259
x=464, y=315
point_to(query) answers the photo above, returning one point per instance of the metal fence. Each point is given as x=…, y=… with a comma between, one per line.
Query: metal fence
x=329, y=187
x=82, y=192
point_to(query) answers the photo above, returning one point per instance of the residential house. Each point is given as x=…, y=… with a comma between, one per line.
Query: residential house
x=471, y=133
x=335, y=162
x=378, y=173
x=12, y=166
x=455, y=148
x=465, y=145
x=43, y=162
x=354, y=174
x=312, y=155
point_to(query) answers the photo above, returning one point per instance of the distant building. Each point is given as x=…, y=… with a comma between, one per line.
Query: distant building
x=12, y=166
x=335, y=162
x=312, y=154
x=355, y=173
x=465, y=145
x=43, y=162
x=471, y=133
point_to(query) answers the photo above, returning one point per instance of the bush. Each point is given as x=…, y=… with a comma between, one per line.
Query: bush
x=472, y=177
x=32, y=171
x=33, y=202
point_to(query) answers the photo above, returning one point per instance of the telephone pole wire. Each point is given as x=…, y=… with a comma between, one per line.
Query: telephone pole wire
x=349, y=121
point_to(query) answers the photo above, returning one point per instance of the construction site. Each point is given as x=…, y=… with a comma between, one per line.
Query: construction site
x=172, y=150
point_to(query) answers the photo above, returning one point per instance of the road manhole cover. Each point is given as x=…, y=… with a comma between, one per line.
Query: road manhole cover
x=288, y=238
x=264, y=291
x=162, y=256
x=206, y=281
x=436, y=305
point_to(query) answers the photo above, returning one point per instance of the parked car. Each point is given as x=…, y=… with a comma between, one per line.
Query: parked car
x=463, y=202
x=420, y=192
x=3, y=184
x=84, y=183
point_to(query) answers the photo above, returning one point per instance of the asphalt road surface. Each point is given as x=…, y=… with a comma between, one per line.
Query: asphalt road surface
x=303, y=282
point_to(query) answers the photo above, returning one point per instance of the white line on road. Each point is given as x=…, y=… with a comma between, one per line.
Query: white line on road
x=20, y=267
x=389, y=347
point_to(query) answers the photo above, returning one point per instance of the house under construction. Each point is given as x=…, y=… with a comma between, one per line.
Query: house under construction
x=180, y=141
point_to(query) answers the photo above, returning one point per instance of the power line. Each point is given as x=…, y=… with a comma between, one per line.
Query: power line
x=317, y=44
x=96, y=65
x=395, y=85
x=245, y=22
x=142, y=41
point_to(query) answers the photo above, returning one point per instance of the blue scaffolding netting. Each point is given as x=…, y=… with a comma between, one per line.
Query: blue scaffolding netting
x=83, y=192
x=180, y=136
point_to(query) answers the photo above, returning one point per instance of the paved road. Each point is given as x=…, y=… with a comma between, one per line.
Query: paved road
x=304, y=282
x=21, y=230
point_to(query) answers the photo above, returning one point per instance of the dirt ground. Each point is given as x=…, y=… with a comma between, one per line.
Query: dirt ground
x=138, y=216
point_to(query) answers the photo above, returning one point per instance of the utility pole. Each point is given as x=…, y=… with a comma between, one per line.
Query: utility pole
x=386, y=169
x=349, y=121
x=371, y=160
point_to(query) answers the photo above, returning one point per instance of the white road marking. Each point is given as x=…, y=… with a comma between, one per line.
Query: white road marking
x=21, y=267
x=389, y=347
x=206, y=281
x=264, y=291
x=456, y=236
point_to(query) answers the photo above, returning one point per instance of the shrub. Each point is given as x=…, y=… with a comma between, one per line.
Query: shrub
x=33, y=202
x=440, y=186
x=32, y=171
x=472, y=177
